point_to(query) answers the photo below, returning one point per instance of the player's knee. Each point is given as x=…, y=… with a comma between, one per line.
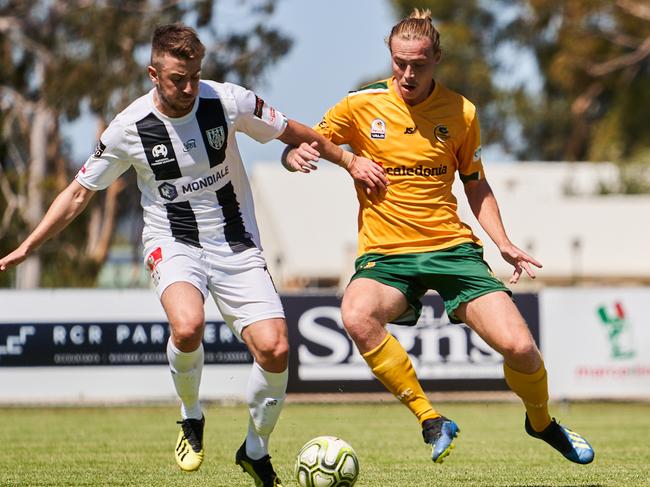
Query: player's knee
x=273, y=355
x=356, y=320
x=187, y=332
x=522, y=350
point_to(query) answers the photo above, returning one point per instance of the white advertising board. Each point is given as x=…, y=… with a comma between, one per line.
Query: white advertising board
x=596, y=342
x=79, y=321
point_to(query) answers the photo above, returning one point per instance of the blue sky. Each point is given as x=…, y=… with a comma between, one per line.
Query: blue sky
x=337, y=44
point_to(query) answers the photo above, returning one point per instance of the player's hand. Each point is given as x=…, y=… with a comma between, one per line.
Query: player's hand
x=302, y=158
x=520, y=260
x=370, y=176
x=13, y=259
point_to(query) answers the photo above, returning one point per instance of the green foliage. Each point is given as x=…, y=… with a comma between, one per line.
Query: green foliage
x=59, y=57
x=595, y=61
x=96, y=51
x=133, y=446
x=593, y=57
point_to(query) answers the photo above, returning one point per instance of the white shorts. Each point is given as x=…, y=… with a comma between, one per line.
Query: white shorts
x=240, y=284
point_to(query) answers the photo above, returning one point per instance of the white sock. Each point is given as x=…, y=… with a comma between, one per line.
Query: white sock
x=186, y=368
x=265, y=395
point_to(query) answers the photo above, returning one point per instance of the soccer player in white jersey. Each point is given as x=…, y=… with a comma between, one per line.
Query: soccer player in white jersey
x=200, y=235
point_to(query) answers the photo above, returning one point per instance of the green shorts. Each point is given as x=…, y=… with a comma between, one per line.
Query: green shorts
x=459, y=274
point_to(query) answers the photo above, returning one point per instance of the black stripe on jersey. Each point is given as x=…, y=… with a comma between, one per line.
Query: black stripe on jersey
x=234, y=232
x=214, y=129
x=158, y=148
x=182, y=223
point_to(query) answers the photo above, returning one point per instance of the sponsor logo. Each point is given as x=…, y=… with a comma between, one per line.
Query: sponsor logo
x=272, y=114
x=438, y=349
x=477, y=154
x=271, y=402
x=405, y=394
x=159, y=151
x=368, y=265
x=323, y=124
x=410, y=130
x=14, y=344
x=189, y=145
x=216, y=137
x=441, y=132
x=619, y=331
x=168, y=191
x=205, y=182
x=155, y=257
x=99, y=149
x=419, y=170
x=77, y=335
x=107, y=343
x=620, y=372
x=378, y=129
x=139, y=334
x=259, y=107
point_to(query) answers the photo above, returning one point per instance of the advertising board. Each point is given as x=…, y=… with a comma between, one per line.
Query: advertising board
x=447, y=357
x=596, y=342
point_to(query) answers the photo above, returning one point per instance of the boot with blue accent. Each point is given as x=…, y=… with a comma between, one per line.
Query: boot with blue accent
x=440, y=433
x=569, y=443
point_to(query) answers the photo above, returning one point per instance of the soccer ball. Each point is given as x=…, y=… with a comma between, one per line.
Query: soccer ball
x=326, y=461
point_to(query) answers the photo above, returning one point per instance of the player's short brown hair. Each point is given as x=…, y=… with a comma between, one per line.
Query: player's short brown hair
x=176, y=39
x=416, y=26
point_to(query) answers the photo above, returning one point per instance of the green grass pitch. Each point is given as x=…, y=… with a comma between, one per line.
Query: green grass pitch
x=132, y=446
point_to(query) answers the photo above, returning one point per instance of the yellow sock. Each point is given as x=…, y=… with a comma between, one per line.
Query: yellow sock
x=533, y=391
x=391, y=365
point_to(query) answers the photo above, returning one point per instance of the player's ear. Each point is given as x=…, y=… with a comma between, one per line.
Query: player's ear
x=153, y=74
x=437, y=56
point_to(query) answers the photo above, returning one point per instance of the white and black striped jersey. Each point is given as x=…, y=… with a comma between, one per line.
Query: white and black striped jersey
x=193, y=183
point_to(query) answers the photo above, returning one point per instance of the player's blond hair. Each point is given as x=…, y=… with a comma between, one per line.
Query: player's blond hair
x=418, y=25
x=177, y=39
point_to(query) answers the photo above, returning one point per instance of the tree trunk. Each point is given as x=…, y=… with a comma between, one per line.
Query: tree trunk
x=28, y=274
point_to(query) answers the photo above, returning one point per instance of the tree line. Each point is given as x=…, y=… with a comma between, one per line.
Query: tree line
x=61, y=57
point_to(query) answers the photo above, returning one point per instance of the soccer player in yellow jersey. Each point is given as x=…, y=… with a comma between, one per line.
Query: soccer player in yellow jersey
x=412, y=240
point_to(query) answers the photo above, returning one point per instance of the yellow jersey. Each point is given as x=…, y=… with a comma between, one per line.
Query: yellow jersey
x=420, y=147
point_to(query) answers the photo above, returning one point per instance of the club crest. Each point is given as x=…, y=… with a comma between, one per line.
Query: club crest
x=441, y=132
x=216, y=137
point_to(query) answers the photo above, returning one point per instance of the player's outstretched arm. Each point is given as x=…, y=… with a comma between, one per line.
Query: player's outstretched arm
x=486, y=209
x=66, y=207
x=306, y=146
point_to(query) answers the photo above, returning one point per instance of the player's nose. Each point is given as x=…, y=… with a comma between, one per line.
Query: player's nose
x=190, y=88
